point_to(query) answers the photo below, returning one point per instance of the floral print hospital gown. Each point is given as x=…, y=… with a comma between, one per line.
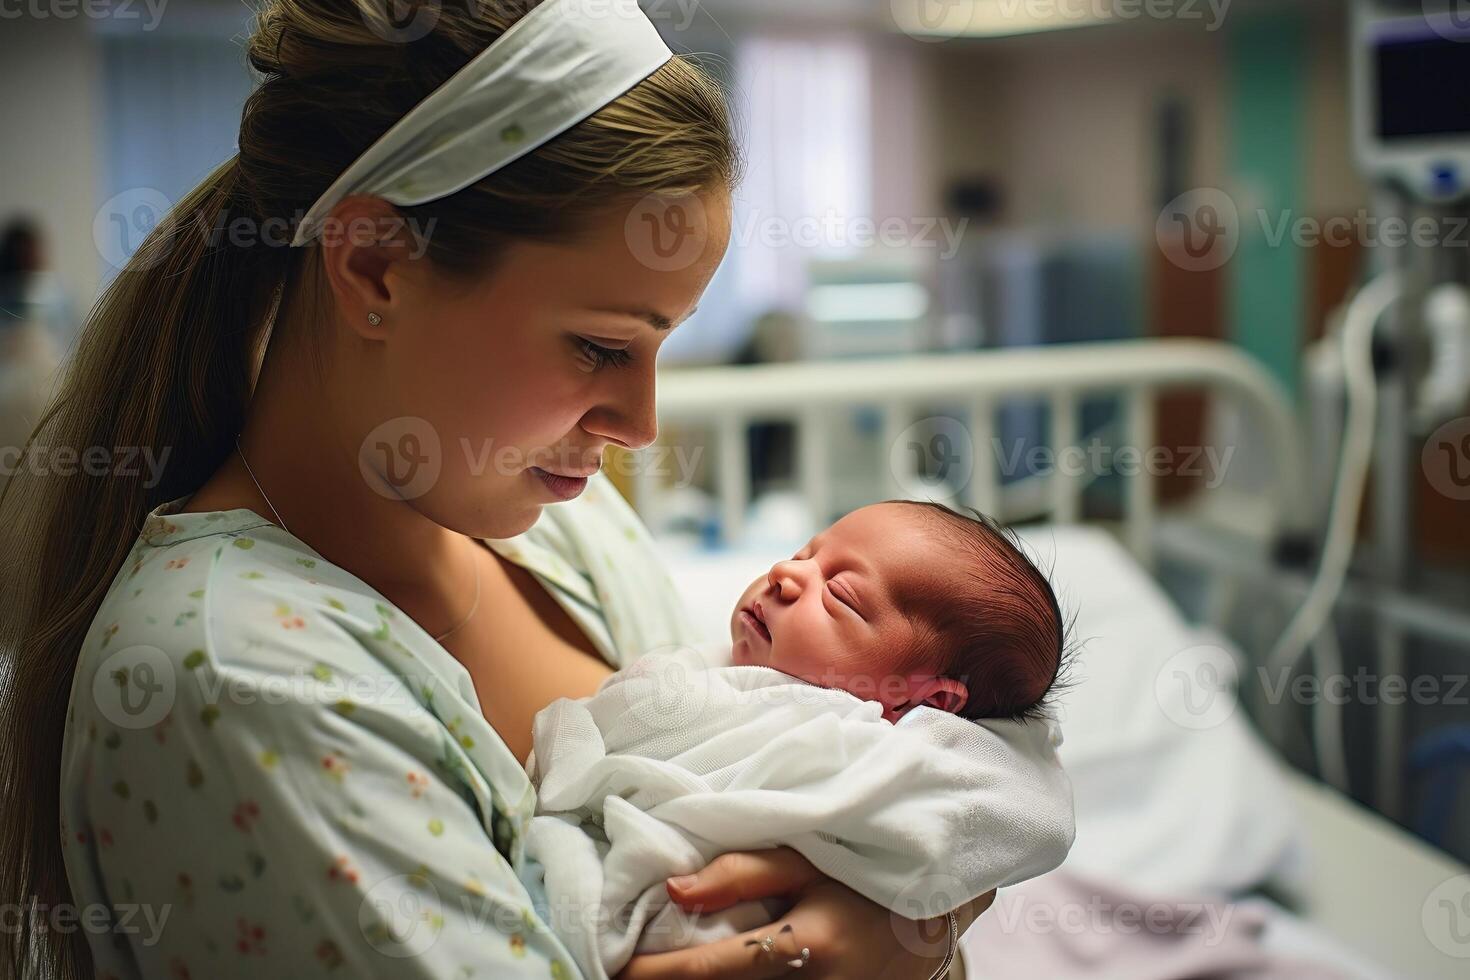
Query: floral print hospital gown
x=270, y=771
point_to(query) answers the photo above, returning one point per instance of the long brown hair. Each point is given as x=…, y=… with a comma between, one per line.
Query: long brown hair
x=167, y=356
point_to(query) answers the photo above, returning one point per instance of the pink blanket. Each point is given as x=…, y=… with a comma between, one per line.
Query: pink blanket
x=1062, y=925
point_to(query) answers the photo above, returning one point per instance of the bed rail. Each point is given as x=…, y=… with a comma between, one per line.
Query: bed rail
x=727, y=400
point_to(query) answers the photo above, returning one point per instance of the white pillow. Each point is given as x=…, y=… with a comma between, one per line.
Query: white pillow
x=1174, y=788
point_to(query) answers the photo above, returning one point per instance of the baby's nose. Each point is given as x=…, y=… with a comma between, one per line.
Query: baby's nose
x=784, y=581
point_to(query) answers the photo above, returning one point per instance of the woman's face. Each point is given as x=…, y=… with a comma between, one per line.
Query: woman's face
x=536, y=369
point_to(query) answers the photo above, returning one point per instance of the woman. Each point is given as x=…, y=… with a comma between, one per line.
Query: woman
x=286, y=722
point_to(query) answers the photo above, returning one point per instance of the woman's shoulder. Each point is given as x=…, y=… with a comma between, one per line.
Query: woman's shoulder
x=250, y=719
x=225, y=598
x=216, y=574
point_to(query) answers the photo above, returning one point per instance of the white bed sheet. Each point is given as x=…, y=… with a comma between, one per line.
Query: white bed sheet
x=1174, y=790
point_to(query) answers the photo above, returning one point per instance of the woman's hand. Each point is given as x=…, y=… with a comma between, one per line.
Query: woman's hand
x=850, y=938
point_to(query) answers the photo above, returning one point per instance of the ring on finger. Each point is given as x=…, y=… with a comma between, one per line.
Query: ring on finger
x=767, y=946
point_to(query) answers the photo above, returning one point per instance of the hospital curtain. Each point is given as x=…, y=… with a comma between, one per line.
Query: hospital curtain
x=809, y=145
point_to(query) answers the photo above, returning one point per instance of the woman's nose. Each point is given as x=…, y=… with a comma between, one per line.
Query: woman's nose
x=629, y=417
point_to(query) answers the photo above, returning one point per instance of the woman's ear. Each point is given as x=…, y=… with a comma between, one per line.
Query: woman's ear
x=365, y=252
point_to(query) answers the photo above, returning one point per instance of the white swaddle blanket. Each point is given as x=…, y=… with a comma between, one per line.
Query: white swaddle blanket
x=682, y=757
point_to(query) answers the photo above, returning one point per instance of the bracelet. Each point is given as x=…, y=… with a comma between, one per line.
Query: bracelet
x=954, y=928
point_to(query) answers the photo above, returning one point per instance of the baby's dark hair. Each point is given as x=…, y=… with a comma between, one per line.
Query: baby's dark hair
x=995, y=618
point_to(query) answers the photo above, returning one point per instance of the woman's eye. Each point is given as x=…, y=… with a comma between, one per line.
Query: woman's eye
x=602, y=357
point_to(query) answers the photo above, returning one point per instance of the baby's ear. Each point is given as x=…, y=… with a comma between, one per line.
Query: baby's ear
x=944, y=693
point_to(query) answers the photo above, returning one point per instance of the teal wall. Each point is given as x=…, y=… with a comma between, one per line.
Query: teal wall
x=1267, y=284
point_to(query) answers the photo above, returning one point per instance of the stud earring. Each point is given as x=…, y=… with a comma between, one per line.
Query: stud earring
x=374, y=319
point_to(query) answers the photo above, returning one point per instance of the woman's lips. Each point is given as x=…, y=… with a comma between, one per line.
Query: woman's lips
x=561, y=487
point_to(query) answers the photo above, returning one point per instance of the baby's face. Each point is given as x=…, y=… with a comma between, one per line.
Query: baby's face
x=830, y=614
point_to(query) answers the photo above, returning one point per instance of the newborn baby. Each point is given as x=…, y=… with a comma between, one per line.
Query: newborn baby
x=908, y=604
x=881, y=710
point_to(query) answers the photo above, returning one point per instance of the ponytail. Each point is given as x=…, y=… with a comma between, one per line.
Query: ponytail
x=149, y=403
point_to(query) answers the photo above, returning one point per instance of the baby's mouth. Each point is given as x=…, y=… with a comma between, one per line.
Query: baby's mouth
x=757, y=621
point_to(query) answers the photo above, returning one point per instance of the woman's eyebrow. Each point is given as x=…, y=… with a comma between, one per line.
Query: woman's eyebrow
x=655, y=320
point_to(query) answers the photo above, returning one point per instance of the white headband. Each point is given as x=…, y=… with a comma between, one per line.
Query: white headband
x=550, y=70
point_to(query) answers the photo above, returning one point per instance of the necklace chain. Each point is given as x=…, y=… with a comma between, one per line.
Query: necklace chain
x=474, y=607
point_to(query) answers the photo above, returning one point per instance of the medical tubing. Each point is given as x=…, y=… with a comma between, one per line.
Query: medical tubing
x=1327, y=715
x=1362, y=317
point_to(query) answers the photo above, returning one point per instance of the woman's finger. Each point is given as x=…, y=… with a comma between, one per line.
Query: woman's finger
x=760, y=954
x=741, y=876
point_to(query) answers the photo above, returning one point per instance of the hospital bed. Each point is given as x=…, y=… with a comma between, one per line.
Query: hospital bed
x=1169, y=799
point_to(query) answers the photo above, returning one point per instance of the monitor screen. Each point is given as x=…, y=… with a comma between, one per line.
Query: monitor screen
x=1423, y=88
